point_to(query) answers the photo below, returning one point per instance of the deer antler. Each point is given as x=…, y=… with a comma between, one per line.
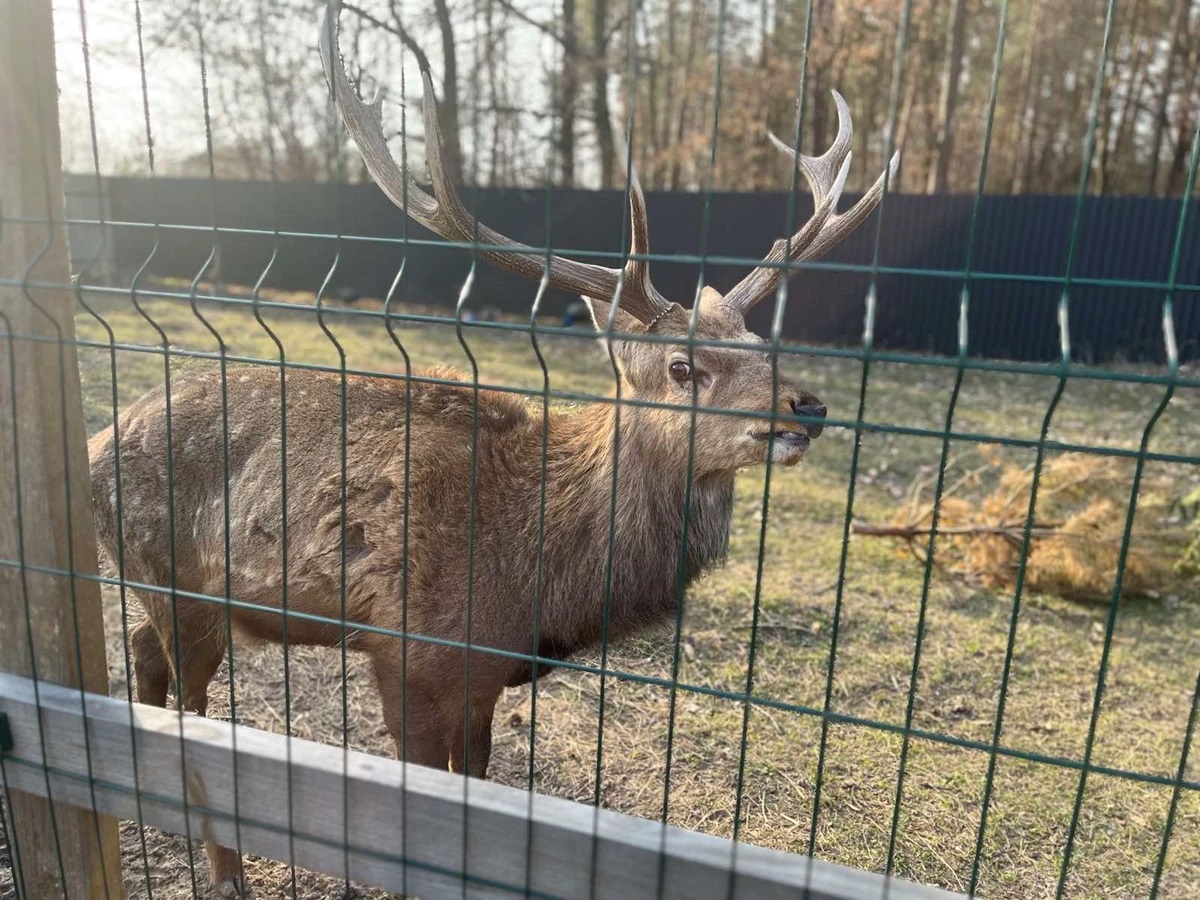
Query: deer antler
x=444, y=214
x=826, y=175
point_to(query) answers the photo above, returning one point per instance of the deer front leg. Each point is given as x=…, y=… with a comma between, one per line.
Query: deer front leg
x=426, y=718
x=471, y=743
x=151, y=668
x=472, y=739
x=419, y=731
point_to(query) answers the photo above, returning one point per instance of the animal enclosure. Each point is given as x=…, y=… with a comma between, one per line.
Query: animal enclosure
x=859, y=697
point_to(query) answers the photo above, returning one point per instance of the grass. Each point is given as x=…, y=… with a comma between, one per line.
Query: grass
x=1152, y=672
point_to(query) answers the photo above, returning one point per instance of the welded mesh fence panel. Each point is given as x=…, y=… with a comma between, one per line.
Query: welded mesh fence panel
x=959, y=646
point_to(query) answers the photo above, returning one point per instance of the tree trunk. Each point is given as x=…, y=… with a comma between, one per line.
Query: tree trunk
x=1185, y=128
x=1112, y=122
x=568, y=95
x=493, y=77
x=452, y=156
x=661, y=121
x=762, y=158
x=601, y=113
x=1024, y=121
x=816, y=79
x=939, y=172
x=685, y=94
x=1126, y=125
x=906, y=111
x=1177, y=174
x=1179, y=28
x=1104, y=136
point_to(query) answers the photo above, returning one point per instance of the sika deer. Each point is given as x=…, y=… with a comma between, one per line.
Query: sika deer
x=427, y=716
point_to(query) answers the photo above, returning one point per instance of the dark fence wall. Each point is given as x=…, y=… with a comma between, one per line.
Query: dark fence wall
x=1020, y=239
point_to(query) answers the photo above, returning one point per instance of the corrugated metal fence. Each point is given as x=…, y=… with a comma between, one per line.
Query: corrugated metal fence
x=1125, y=242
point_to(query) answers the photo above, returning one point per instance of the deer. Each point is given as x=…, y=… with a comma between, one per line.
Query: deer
x=403, y=533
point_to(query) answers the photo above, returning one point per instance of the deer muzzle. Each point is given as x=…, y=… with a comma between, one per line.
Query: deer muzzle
x=815, y=411
x=789, y=443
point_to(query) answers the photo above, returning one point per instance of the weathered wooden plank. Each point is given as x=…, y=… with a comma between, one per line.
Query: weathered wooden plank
x=407, y=824
x=45, y=516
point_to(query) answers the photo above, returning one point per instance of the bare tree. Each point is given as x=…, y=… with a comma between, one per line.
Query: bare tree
x=601, y=111
x=947, y=106
x=448, y=108
x=1179, y=35
x=1025, y=118
x=1187, y=119
x=568, y=93
x=1148, y=111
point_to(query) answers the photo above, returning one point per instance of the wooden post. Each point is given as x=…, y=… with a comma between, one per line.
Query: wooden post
x=45, y=516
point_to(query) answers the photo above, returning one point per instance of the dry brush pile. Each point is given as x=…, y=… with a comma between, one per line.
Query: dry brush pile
x=1076, y=532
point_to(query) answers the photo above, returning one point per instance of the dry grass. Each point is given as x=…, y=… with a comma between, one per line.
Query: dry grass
x=1155, y=652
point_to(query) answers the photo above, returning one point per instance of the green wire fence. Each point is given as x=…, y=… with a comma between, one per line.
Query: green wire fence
x=864, y=786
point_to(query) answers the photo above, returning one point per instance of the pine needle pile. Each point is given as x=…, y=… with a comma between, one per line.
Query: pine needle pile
x=1076, y=534
x=1189, y=563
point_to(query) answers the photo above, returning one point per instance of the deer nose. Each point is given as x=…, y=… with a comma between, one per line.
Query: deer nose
x=810, y=411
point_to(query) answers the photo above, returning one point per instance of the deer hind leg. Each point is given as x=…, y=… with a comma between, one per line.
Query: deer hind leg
x=202, y=643
x=192, y=642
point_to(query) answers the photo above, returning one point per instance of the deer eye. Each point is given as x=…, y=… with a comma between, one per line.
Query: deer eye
x=680, y=370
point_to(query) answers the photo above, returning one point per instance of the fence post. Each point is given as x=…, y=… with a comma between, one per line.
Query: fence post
x=48, y=629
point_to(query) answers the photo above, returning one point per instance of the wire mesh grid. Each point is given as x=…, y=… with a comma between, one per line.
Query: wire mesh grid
x=898, y=719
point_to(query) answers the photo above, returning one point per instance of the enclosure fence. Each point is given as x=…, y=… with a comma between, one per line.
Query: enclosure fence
x=74, y=761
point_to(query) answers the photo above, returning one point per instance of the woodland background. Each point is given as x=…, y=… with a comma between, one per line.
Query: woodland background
x=536, y=90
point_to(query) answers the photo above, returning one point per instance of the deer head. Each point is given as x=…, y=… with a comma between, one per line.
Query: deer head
x=625, y=304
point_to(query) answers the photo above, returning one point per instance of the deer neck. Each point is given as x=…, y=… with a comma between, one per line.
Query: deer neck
x=652, y=492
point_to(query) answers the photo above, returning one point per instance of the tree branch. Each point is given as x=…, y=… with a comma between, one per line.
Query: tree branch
x=910, y=531
x=398, y=30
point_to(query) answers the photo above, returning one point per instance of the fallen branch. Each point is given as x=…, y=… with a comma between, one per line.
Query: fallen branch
x=912, y=530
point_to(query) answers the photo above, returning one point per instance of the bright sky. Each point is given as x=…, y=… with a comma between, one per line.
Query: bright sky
x=117, y=95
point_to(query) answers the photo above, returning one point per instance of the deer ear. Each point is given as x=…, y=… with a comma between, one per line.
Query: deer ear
x=623, y=322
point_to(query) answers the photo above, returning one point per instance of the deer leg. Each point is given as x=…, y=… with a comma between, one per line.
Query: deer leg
x=151, y=669
x=199, y=659
x=419, y=731
x=472, y=739
x=225, y=871
x=202, y=641
x=200, y=630
x=202, y=644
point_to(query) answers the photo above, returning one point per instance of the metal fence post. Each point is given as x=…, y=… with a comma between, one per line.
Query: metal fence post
x=52, y=625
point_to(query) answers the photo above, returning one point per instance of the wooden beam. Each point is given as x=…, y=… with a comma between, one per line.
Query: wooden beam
x=410, y=828
x=51, y=625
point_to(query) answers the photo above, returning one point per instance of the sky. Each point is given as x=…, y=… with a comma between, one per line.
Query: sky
x=173, y=90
